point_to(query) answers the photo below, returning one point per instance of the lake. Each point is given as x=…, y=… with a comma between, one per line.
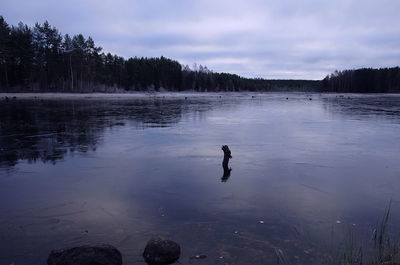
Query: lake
x=307, y=170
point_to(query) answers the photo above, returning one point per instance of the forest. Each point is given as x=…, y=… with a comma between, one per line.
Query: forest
x=365, y=80
x=41, y=59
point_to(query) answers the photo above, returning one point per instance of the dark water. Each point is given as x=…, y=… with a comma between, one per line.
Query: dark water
x=80, y=170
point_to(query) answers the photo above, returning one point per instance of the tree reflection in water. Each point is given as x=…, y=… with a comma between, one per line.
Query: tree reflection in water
x=47, y=130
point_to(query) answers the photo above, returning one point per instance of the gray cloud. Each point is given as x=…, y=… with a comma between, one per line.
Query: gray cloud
x=253, y=38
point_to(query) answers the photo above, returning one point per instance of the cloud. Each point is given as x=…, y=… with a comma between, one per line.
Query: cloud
x=253, y=38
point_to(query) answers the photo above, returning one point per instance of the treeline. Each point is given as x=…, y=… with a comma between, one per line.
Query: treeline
x=40, y=58
x=202, y=79
x=365, y=80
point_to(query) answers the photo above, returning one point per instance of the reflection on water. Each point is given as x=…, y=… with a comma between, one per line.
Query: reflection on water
x=47, y=130
x=373, y=106
x=84, y=170
x=226, y=175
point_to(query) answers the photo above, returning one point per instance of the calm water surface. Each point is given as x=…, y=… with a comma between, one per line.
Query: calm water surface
x=78, y=170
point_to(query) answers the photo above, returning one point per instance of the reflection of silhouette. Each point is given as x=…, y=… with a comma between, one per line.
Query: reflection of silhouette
x=227, y=174
x=225, y=162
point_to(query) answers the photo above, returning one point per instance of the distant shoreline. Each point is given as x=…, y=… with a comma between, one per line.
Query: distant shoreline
x=133, y=94
x=193, y=94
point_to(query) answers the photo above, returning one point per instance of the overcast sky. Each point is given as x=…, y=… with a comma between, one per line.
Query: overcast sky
x=288, y=39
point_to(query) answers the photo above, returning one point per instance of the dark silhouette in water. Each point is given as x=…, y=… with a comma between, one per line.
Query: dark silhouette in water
x=225, y=162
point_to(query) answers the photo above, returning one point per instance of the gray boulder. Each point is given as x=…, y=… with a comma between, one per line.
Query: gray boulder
x=99, y=254
x=161, y=251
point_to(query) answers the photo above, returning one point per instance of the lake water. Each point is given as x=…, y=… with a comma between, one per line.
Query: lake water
x=121, y=169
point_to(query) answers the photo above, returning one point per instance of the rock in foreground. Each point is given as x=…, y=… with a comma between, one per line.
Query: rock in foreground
x=100, y=254
x=161, y=251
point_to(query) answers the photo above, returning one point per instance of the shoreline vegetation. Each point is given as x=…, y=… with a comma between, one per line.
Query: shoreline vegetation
x=382, y=247
x=41, y=59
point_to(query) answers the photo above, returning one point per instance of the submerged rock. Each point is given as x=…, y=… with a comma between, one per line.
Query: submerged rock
x=99, y=254
x=161, y=251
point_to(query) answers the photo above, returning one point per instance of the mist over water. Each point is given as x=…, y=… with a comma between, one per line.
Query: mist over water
x=77, y=170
